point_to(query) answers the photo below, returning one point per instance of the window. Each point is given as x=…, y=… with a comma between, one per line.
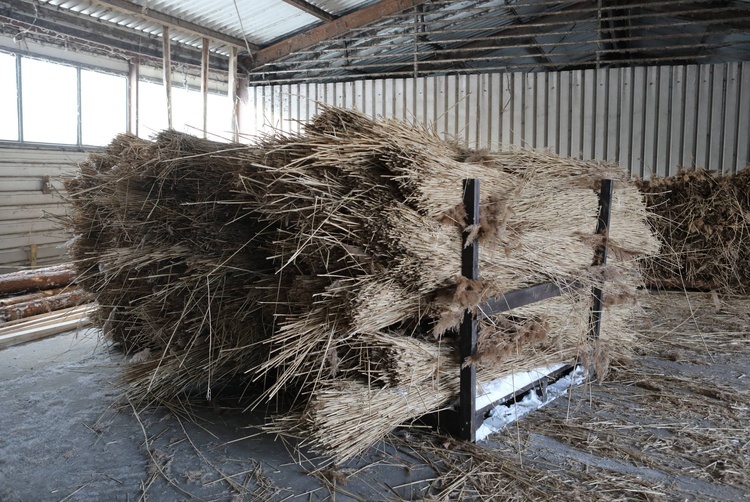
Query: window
x=60, y=103
x=152, y=109
x=49, y=101
x=72, y=105
x=103, y=107
x=8, y=98
x=187, y=112
x=219, y=117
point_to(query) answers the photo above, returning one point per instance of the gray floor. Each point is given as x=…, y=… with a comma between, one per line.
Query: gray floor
x=67, y=435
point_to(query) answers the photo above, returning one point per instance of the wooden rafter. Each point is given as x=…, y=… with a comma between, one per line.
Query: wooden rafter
x=329, y=30
x=312, y=9
x=173, y=22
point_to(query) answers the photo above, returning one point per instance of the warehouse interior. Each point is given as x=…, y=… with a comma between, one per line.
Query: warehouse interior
x=233, y=175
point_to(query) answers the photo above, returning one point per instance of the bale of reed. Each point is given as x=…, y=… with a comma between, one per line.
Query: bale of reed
x=378, y=207
x=702, y=218
x=326, y=265
x=167, y=252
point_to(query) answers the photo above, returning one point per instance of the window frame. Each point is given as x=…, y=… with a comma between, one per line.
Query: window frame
x=78, y=145
x=184, y=86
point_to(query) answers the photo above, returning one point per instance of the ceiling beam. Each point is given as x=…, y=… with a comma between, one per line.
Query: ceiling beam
x=173, y=22
x=37, y=23
x=312, y=9
x=329, y=30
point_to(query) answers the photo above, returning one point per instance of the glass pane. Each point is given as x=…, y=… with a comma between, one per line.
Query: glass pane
x=8, y=97
x=50, y=102
x=219, y=117
x=187, y=110
x=152, y=109
x=103, y=107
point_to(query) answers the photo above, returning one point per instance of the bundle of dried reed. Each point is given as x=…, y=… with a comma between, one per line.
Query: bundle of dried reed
x=327, y=263
x=702, y=217
x=169, y=256
x=375, y=207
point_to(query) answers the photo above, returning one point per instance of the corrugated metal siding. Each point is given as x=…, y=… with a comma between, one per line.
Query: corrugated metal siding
x=25, y=209
x=649, y=119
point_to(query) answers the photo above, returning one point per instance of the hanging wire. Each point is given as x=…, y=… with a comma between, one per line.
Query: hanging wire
x=244, y=37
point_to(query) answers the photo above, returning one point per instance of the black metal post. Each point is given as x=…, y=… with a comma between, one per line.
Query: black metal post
x=468, y=331
x=600, y=257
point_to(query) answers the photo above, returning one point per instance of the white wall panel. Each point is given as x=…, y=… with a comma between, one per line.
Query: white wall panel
x=26, y=211
x=649, y=119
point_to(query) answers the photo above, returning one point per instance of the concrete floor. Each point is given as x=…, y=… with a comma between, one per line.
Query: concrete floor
x=67, y=435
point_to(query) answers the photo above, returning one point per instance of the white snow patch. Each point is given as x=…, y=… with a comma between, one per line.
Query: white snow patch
x=502, y=415
x=490, y=392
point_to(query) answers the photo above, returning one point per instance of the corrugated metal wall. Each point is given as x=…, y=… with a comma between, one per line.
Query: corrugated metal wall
x=25, y=207
x=649, y=119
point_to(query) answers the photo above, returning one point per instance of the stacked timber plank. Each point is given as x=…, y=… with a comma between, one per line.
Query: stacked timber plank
x=40, y=302
x=326, y=266
x=703, y=219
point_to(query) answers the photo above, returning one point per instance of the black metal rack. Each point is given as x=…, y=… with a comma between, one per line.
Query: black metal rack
x=468, y=417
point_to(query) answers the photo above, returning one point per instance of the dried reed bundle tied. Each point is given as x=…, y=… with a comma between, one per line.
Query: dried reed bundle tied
x=391, y=377
x=702, y=217
x=326, y=264
x=163, y=246
x=344, y=417
x=375, y=205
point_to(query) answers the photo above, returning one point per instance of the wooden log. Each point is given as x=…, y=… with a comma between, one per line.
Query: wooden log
x=36, y=279
x=63, y=300
x=27, y=297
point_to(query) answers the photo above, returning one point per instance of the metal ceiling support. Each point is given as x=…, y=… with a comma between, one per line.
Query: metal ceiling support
x=166, y=43
x=312, y=10
x=332, y=29
x=735, y=17
x=505, y=37
x=59, y=26
x=542, y=27
x=173, y=22
x=535, y=49
x=544, y=35
x=302, y=76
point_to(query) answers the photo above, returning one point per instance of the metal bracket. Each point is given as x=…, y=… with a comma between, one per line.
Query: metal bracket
x=468, y=416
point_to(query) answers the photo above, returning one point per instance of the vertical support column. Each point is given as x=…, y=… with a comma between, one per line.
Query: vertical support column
x=233, y=92
x=468, y=330
x=600, y=257
x=242, y=114
x=19, y=97
x=79, y=108
x=134, y=75
x=167, y=63
x=204, y=85
x=32, y=254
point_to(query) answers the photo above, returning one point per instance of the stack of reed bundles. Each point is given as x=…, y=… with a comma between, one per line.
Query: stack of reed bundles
x=327, y=265
x=703, y=219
